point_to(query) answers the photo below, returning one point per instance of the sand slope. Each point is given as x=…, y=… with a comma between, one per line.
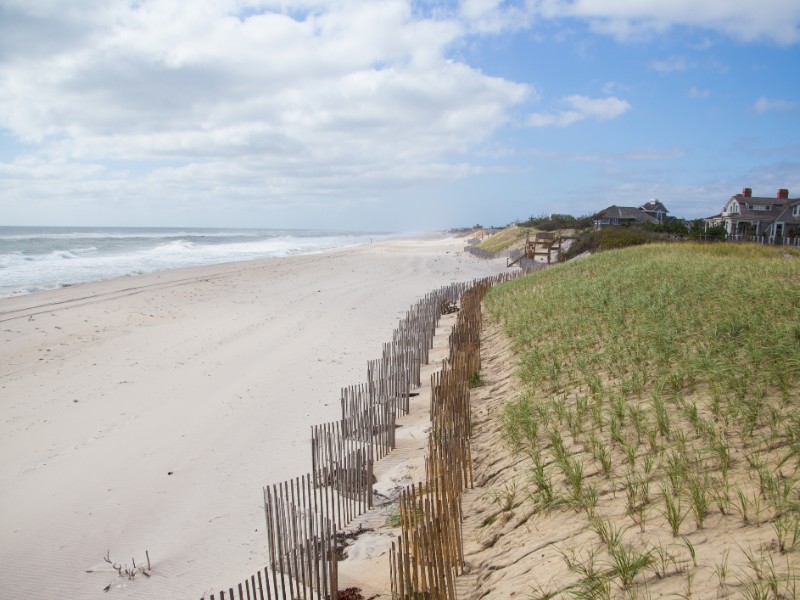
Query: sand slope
x=515, y=548
x=213, y=375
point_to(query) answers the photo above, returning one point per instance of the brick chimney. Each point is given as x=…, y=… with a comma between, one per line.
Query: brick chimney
x=747, y=192
x=783, y=193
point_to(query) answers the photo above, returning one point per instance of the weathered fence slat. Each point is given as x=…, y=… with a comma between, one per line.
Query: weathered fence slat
x=302, y=514
x=428, y=554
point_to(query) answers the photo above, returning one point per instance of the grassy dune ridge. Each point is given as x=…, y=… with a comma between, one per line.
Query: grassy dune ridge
x=662, y=399
x=505, y=239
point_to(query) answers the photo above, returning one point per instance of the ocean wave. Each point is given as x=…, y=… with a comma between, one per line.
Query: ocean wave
x=132, y=234
x=47, y=266
x=10, y=260
x=19, y=258
x=171, y=247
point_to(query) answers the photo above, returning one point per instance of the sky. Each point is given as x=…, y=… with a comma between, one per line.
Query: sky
x=391, y=115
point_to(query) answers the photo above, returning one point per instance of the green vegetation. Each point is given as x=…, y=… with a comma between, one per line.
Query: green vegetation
x=675, y=226
x=475, y=380
x=661, y=382
x=505, y=238
x=718, y=232
x=556, y=222
x=622, y=236
x=394, y=519
x=612, y=238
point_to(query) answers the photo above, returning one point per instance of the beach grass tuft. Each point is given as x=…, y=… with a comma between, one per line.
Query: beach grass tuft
x=676, y=364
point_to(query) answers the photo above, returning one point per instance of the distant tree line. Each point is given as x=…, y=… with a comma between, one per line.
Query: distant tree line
x=621, y=236
x=555, y=222
x=681, y=228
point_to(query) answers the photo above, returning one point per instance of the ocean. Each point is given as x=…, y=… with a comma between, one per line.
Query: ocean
x=33, y=259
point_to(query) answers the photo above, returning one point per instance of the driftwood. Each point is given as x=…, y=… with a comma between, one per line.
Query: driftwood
x=123, y=570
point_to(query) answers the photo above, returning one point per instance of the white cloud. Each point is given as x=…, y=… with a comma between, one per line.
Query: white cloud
x=698, y=93
x=747, y=20
x=763, y=105
x=230, y=95
x=277, y=101
x=670, y=65
x=493, y=16
x=655, y=154
x=581, y=108
x=612, y=87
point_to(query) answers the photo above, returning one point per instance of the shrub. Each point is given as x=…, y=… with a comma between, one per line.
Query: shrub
x=610, y=238
x=671, y=226
x=588, y=241
x=718, y=232
x=621, y=237
x=556, y=222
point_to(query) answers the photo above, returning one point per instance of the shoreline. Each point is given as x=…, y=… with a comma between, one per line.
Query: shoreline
x=139, y=282
x=147, y=416
x=67, y=279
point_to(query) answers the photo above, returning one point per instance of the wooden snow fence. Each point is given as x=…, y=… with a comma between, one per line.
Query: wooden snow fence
x=428, y=555
x=302, y=546
x=370, y=422
x=302, y=538
x=391, y=377
x=344, y=465
x=302, y=514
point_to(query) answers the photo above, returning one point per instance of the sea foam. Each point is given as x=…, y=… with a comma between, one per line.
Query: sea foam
x=35, y=259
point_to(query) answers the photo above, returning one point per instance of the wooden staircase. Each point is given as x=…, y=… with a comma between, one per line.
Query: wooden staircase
x=545, y=244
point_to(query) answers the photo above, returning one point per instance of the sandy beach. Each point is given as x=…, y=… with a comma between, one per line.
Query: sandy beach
x=146, y=413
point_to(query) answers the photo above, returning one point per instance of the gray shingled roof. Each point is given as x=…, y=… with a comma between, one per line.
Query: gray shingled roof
x=746, y=214
x=785, y=216
x=654, y=205
x=625, y=213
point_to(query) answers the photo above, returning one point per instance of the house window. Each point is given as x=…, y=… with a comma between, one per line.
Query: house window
x=796, y=210
x=760, y=207
x=733, y=207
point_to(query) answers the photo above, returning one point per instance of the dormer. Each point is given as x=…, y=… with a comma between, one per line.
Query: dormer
x=655, y=209
x=732, y=207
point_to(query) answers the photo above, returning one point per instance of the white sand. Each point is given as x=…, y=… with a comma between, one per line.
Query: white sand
x=214, y=374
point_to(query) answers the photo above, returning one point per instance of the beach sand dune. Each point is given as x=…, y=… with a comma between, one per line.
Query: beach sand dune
x=146, y=413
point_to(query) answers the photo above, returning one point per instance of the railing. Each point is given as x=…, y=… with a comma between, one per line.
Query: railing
x=513, y=257
x=769, y=240
x=753, y=239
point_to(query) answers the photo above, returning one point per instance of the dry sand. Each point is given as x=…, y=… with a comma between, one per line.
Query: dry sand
x=366, y=565
x=146, y=413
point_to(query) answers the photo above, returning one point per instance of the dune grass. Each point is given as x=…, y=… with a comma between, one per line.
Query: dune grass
x=666, y=380
x=505, y=239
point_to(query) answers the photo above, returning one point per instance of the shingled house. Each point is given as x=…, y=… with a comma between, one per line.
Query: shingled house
x=788, y=221
x=651, y=212
x=745, y=215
